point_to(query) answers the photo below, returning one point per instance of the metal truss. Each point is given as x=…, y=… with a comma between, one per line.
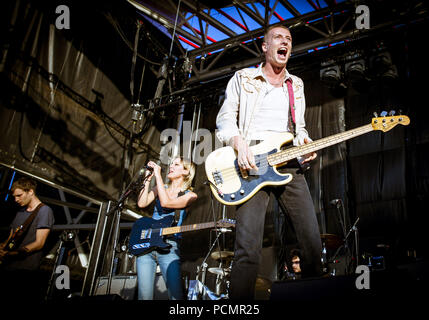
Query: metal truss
x=331, y=24
x=319, y=29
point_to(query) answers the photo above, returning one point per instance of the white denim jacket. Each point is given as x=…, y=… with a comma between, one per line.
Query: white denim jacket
x=244, y=93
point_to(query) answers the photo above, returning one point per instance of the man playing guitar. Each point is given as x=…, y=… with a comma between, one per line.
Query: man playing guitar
x=21, y=252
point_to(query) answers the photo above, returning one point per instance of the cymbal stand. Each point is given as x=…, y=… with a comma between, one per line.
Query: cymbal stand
x=356, y=244
x=342, y=219
x=203, y=267
x=353, y=229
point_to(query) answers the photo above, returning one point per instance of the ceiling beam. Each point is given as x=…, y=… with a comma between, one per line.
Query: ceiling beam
x=249, y=12
x=292, y=23
x=296, y=50
x=290, y=8
x=210, y=19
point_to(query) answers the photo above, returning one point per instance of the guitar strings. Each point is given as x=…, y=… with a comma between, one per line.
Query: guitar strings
x=231, y=172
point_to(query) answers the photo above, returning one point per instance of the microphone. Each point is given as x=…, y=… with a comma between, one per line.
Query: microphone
x=335, y=202
x=144, y=168
x=142, y=174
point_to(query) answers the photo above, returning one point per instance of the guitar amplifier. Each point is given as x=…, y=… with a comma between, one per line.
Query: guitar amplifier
x=122, y=285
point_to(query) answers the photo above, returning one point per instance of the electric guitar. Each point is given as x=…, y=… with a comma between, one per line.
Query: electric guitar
x=232, y=185
x=11, y=243
x=147, y=234
x=17, y=235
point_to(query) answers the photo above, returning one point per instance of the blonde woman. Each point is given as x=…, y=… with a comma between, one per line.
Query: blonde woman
x=174, y=196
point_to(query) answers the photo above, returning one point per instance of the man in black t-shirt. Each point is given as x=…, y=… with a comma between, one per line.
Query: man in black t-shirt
x=21, y=264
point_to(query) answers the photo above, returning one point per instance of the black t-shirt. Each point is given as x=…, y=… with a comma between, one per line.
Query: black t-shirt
x=43, y=220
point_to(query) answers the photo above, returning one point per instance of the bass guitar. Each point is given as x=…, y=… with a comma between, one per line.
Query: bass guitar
x=17, y=235
x=148, y=234
x=232, y=185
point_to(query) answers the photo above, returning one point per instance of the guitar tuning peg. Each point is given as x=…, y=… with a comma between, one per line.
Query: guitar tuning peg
x=392, y=113
x=383, y=113
x=400, y=111
x=375, y=114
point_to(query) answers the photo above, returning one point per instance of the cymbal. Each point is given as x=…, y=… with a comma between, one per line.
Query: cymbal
x=332, y=241
x=220, y=271
x=223, y=254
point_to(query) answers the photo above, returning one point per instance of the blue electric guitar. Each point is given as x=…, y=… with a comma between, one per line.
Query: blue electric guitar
x=147, y=234
x=232, y=186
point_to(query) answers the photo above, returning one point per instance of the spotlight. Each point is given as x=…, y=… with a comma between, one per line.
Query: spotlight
x=391, y=73
x=331, y=75
x=355, y=70
x=383, y=67
x=381, y=62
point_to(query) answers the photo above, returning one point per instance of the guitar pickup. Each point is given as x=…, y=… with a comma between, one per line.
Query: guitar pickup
x=217, y=176
x=146, y=234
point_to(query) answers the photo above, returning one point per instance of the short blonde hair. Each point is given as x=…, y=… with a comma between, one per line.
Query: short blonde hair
x=190, y=166
x=271, y=28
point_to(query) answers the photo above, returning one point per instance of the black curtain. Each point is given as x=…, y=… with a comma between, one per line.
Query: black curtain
x=381, y=178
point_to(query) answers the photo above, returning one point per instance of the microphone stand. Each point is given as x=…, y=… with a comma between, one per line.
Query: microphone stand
x=132, y=187
x=342, y=219
x=345, y=245
x=355, y=230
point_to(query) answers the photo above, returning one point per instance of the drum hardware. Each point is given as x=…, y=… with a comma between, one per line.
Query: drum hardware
x=331, y=241
x=222, y=273
x=222, y=255
x=352, y=257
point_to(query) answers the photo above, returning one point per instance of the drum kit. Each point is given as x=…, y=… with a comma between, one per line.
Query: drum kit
x=223, y=271
x=223, y=259
x=332, y=246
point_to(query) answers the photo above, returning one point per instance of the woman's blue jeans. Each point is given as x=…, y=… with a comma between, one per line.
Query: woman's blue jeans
x=169, y=264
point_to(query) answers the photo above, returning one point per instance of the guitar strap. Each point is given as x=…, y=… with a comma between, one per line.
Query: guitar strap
x=291, y=118
x=177, y=212
x=29, y=220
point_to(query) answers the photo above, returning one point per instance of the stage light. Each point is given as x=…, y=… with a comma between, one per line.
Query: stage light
x=382, y=66
x=381, y=62
x=355, y=70
x=391, y=73
x=331, y=75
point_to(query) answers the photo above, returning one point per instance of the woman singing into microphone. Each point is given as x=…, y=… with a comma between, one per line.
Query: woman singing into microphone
x=175, y=195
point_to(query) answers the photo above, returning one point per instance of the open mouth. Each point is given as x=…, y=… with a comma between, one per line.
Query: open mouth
x=282, y=52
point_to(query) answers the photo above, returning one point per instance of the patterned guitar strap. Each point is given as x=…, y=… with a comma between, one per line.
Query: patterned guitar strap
x=291, y=118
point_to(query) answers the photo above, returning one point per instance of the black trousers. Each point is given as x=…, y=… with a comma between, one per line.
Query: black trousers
x=295, y=201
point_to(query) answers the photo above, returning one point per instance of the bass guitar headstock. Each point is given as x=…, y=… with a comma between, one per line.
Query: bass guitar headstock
x=387, y=122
